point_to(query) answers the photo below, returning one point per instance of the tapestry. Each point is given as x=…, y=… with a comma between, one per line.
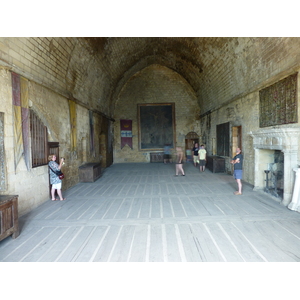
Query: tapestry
x=72, y=108
x=110, y=134
x=156, y=125
x=17, y=120
x=21, y=119
x=278, y=102
x=2, y=156
x=25, y=120
x=126, y=133
x=92, y=142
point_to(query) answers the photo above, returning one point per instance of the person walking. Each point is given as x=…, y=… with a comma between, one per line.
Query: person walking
x=202, y=158
x=167, y=153
x=237, y=162
x=179, y=161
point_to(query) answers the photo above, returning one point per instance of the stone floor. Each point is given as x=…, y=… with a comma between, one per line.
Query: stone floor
x=143, y=213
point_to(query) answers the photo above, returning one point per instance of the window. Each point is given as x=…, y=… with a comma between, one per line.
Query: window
x=38, y=141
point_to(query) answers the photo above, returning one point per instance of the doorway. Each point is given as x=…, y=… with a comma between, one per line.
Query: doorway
x=236, y=138
x=190, y=139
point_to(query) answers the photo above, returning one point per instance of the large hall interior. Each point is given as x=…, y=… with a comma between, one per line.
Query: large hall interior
x=99, y=101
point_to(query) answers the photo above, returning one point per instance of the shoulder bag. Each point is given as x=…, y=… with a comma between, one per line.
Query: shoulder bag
x=59, y=173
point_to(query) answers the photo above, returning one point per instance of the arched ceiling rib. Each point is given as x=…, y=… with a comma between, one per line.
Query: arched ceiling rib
x=121, y=58
x=183, y=68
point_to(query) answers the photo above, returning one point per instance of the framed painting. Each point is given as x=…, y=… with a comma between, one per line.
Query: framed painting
x=156, y=125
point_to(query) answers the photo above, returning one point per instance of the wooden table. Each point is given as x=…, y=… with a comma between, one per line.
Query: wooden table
x=9, y=224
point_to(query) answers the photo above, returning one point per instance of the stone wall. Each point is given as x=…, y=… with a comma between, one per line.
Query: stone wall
x=58, y=70
x=243, y=111
x=154, y=84
x=235, y=67
x=110, y=76
x=53, y=109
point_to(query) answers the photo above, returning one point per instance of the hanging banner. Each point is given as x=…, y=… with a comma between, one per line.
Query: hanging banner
x=25, y=120
x=73, y=123
x=16, y=101
x=126, y=133
x=92, y=140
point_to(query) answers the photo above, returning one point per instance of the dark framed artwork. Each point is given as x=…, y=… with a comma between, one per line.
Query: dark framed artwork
x=156, y=125
x=278, y=102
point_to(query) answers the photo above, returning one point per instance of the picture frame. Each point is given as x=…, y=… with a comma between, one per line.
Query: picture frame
x=156, y=124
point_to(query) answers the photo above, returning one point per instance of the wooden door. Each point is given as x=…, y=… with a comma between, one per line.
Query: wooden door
x=236, y=139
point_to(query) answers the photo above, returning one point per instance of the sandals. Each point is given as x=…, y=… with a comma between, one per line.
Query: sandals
x=237, y=193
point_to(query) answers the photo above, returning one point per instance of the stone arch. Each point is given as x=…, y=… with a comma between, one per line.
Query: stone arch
x=190, y=139
x=161, y=60
x=192, y=135
x=153, y=84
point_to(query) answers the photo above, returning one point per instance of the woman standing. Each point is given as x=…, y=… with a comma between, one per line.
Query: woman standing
x=54, y=179
x=179, y=161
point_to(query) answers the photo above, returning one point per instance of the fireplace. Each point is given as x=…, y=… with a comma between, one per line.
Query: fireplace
x=276, y=150
x=274, y=172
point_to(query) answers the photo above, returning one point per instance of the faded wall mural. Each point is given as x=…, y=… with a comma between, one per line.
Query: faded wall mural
x=156, y=125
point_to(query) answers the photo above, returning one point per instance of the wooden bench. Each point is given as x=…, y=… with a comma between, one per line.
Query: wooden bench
x=9, y=224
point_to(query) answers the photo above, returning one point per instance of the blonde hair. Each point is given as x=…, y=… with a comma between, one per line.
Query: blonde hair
x=51, y=156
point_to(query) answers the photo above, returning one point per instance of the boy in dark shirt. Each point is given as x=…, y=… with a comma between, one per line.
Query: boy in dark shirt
x=195, y=153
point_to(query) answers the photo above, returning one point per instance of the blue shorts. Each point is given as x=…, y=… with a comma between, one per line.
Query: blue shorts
x=238, y=174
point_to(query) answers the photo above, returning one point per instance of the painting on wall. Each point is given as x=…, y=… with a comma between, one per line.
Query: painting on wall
x=278, y=102
x=156, y=125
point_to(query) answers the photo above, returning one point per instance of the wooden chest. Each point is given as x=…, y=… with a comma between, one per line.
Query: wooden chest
x=156, y=157
x=216, y=164
x=89, y=172
x=9, y=224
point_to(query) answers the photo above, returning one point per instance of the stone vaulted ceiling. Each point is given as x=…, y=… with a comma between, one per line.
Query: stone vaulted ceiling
x=123, y=57
x=94, y=70
x=218, y=69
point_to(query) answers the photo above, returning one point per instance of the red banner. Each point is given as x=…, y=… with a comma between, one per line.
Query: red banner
x=126, y=133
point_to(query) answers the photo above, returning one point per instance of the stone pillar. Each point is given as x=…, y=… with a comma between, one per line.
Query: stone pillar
x=290, y=161
x=258, y=171
x=295, y=204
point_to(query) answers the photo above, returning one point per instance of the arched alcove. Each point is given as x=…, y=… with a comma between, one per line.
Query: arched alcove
x=154, y=84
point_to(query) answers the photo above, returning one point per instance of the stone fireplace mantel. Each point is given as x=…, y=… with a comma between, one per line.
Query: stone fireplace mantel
x=285, y=139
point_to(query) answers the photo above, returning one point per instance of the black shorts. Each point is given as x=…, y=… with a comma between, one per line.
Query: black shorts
x=202, y=162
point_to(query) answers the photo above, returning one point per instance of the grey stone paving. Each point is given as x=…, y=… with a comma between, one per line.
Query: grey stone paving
x=143, y=213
